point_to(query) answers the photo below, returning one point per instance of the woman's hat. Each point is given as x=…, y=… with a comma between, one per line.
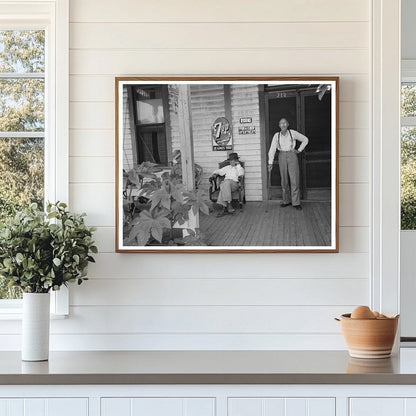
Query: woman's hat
x=233, y=156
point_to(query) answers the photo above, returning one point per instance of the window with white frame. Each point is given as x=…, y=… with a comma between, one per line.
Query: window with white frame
x=22, y=125
x=408, y=154
x=33, y=114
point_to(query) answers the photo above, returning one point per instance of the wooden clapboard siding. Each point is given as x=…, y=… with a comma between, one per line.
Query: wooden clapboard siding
x=245, y=103
x=219, y=61
x=218, y=11
x=221, y=35
x=219, y=291
x=168, y=341
x=108, y=39
x=95, y=87
x=100, y=115
x=352, y=239
x=207, y=103
x=204, y=319
x=354, y=266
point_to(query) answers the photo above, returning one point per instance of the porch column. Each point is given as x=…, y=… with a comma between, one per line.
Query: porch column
x=186, y=144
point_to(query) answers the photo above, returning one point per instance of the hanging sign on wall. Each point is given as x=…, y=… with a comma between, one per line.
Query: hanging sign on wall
x=247, y=130
x=221, y=135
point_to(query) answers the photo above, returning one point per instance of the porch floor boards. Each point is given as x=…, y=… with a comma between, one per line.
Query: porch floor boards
x=253, y=226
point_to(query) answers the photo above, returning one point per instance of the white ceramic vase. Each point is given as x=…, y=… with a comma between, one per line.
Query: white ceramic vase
x=35, y=326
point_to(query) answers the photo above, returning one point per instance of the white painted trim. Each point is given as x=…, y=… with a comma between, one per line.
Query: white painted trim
x=408, y=70
x=408, y=121
x=19, y=134
x=32, y=75
x=54, y=14
x=386, y=156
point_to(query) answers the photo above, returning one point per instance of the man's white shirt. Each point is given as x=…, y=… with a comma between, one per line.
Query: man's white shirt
x=230, y=172
x=286, y=143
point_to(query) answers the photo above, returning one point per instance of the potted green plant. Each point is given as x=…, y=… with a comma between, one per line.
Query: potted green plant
x=170, y=208
x=40, y=252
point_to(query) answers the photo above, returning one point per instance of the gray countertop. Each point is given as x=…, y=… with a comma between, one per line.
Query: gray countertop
x=207, y=367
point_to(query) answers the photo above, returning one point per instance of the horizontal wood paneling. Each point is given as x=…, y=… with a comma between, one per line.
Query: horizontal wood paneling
x=323, y=37
x=283, y=265
x=352, y=239
x=221, y=35
x=220, y=291
x=354, y=142
x=98, y=88
x=105, y=239
x=354, y=169
x=202, y=319
x=218, y=11
x=232, y=61
x=89, y=169
x=245, y=102
x=100, y=115
x=96, y=199
x=92, y=115
x=95, y=143
x=194, y=320
x=354, y=202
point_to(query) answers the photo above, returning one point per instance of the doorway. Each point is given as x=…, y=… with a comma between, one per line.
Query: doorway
x=308, y=112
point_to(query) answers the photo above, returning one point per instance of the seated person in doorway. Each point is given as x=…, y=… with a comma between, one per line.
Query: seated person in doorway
x=231, y=174
x=285, y=142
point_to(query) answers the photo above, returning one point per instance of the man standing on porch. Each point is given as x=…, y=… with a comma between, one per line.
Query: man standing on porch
x=285, y=142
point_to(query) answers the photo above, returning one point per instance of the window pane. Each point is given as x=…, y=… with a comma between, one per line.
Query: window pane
x=21, y=109
x=22, y=51
x=408, y=178
x=408, y=100
x=22, y=105
x=21, y=183
x=149, y=105
x=21, y=173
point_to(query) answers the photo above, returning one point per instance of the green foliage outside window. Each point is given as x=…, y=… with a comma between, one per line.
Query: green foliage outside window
x=21, y=110
x=408, y=160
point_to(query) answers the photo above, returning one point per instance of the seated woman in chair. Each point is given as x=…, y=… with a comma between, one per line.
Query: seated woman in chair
x=231, y=173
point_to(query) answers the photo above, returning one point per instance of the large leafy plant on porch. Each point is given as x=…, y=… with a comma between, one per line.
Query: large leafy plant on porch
x=170, y=208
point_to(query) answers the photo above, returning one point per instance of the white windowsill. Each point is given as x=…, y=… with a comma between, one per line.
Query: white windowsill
x=9, y=315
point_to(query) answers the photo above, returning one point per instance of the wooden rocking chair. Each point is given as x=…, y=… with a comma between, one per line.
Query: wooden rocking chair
x=238, y=196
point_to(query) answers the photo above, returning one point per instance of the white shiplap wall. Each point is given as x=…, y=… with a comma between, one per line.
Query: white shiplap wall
x=219, y=301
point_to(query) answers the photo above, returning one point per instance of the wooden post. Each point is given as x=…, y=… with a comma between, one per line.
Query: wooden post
x=132, y=121
x=185, y=136
x=186, y=143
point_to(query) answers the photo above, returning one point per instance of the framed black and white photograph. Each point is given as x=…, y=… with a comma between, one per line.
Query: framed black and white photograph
x=236, y=164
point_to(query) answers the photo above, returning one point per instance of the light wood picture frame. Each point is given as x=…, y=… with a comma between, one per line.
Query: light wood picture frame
x=227, y=164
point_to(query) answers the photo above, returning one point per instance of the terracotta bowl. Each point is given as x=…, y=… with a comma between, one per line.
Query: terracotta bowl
x=369, y=338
